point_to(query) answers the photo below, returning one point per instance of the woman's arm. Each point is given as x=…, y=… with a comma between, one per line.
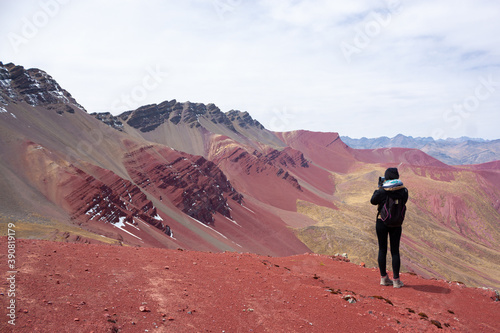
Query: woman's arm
x=377, y=197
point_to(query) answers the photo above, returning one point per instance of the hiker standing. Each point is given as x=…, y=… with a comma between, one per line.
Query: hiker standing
x=391, y=198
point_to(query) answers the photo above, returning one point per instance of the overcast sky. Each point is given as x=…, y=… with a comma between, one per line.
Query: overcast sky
x=360, y=68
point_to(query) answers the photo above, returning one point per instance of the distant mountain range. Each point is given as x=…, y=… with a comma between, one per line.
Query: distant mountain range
x=452, y=151
x=190, y=176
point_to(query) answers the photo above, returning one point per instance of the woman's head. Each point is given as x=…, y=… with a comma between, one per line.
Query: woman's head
x=391, y=173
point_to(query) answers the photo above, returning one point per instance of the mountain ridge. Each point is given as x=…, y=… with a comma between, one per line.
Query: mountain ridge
x=452, y=151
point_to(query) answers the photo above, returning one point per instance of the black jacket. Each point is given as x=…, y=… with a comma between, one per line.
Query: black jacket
x=380, y=196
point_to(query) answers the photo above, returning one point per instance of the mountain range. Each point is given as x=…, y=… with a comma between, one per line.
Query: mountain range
x=452, y=151
x=184, y=175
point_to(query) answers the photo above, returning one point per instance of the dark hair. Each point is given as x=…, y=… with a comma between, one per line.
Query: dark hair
x=391, y=173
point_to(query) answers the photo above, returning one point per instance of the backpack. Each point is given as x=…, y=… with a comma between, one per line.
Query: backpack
x=393, y=211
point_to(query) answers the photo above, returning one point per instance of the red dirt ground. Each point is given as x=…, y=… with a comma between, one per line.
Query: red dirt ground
x=67, y=287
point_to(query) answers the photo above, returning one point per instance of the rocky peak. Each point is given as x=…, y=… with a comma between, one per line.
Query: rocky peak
x=149, y=117
x=109, y=120
x=243, y=119
x=34, y=87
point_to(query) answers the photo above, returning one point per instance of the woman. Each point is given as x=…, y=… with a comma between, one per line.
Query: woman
x=391, y=187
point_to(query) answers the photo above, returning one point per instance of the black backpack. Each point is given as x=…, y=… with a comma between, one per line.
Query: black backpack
x=394, y=209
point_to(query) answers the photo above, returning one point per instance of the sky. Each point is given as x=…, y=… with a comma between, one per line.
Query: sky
x=365, y=68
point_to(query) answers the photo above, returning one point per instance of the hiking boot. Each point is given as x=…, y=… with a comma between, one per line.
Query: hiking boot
x=397, y=283
x=385, y=281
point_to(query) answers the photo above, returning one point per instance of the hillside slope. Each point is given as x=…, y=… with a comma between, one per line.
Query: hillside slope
x=104, y=288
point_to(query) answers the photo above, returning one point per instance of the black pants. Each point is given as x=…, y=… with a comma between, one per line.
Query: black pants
x=395, y=236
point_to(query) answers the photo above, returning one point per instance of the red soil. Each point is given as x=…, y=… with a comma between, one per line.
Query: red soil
x=100, y=288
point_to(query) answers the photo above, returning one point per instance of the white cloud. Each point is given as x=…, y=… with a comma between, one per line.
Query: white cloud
x=414, y=60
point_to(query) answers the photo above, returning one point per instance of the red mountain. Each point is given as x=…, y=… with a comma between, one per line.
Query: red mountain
x=187, y=175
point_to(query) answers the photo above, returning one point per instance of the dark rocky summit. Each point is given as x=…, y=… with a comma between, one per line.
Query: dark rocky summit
x=109, y=120
x=148, y=117
x=35, y=87
x=243, y=119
